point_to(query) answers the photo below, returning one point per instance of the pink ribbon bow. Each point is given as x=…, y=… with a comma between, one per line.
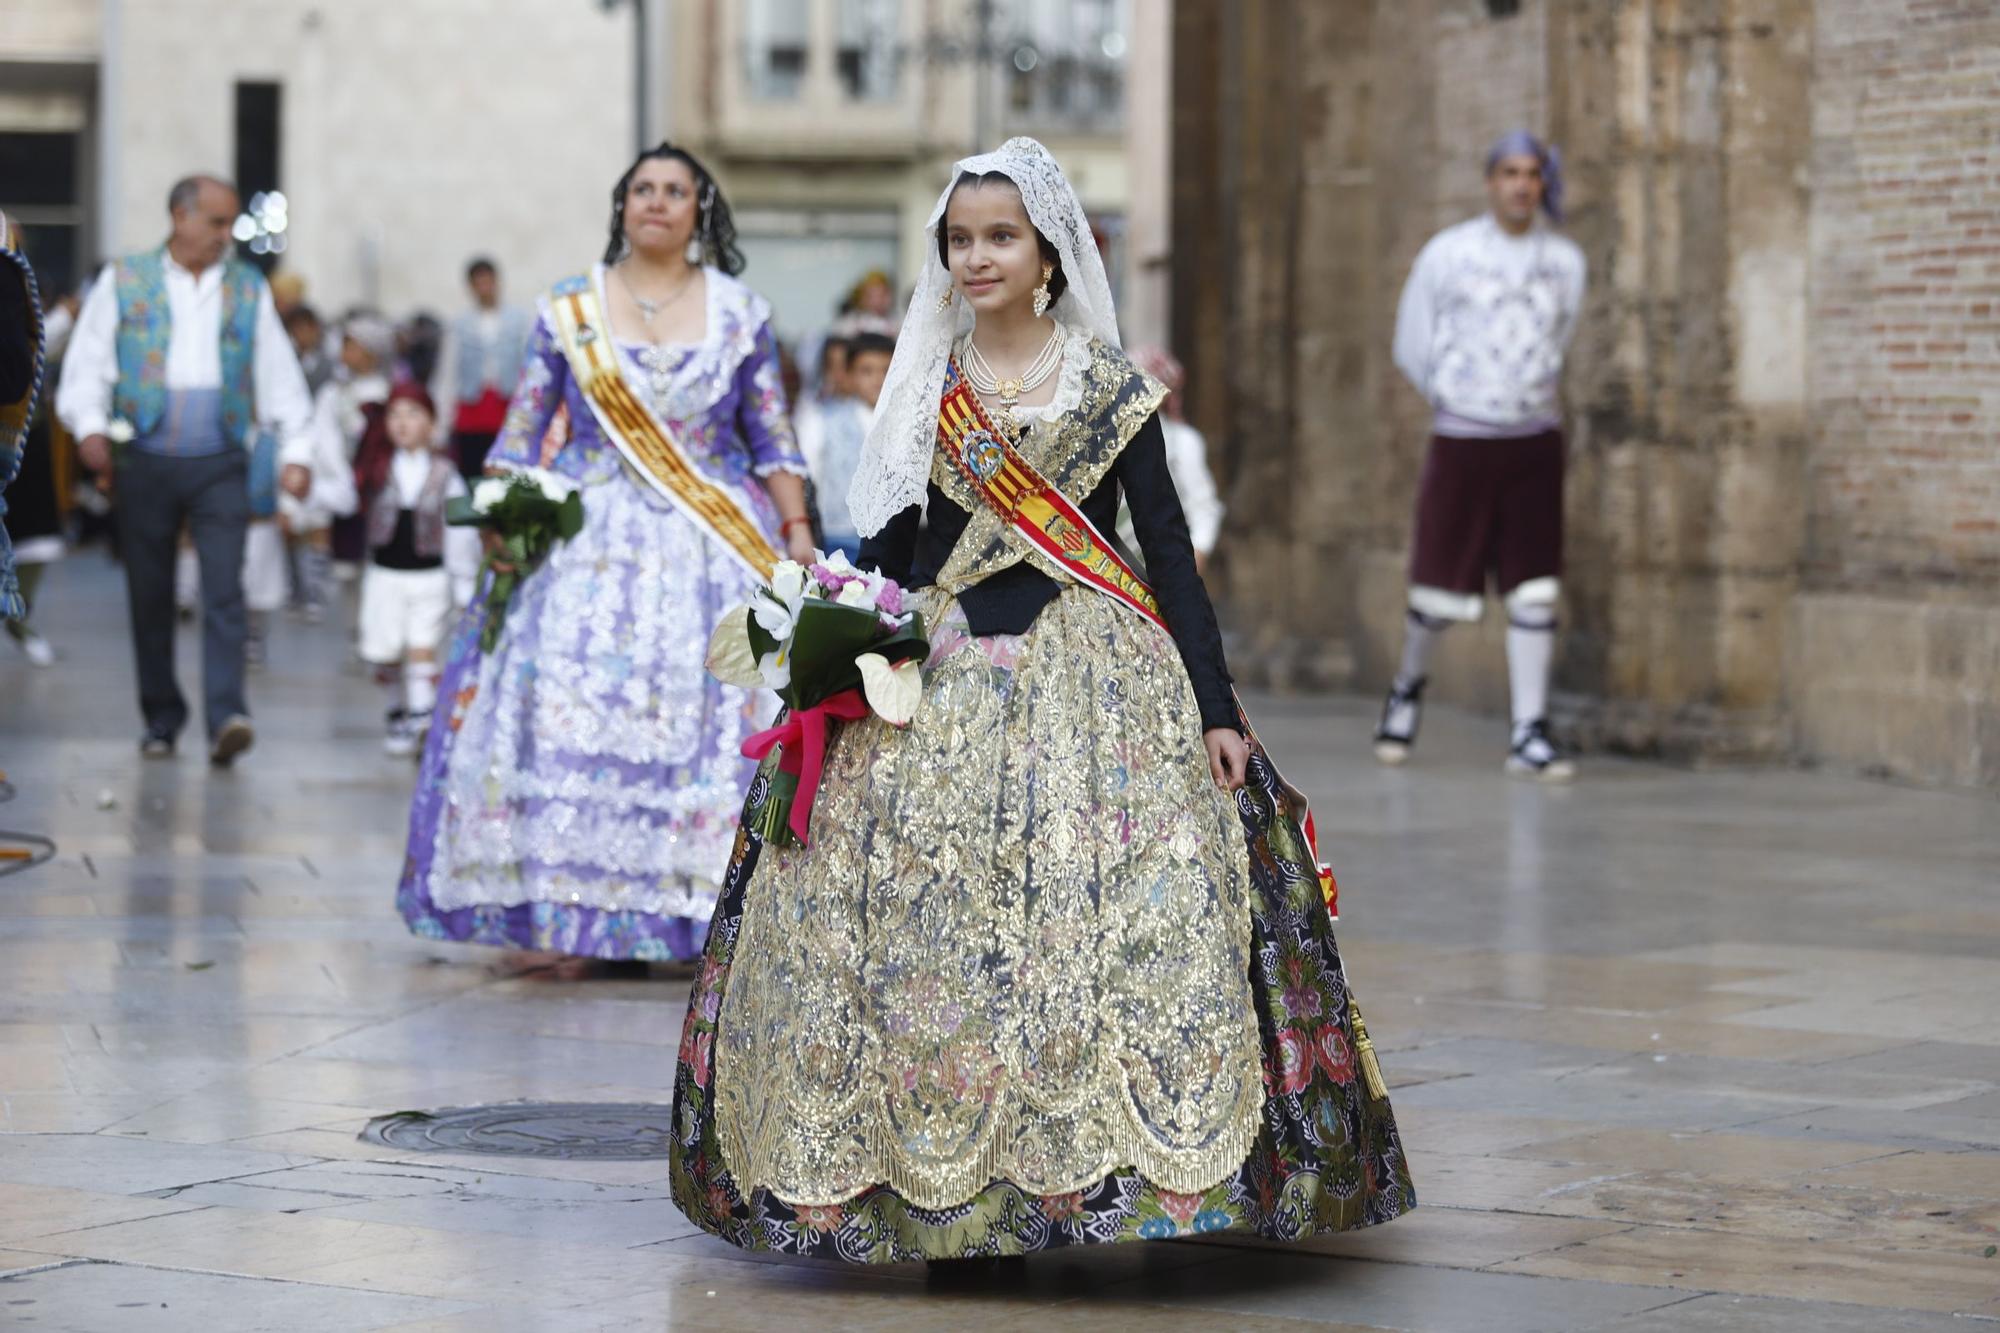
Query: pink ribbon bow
x=803, y=735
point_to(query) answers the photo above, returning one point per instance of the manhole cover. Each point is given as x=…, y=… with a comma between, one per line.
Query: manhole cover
x=604, y=1131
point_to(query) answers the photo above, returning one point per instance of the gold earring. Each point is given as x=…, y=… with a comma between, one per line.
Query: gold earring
x=1042, y=292
x=950, y=295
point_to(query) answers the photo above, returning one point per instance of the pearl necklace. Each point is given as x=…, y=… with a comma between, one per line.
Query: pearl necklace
x=1009, y=391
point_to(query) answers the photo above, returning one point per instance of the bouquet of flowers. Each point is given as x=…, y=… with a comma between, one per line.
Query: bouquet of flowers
x=837, y=644
x=531, y=509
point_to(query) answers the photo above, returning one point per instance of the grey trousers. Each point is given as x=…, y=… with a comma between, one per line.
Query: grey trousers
x=157, y=494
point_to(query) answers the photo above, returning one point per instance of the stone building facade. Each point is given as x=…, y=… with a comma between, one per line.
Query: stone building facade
x=408, y=136
x=1784, y=401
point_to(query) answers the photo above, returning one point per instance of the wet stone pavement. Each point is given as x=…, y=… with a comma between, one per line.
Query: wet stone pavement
x=1670, y=1050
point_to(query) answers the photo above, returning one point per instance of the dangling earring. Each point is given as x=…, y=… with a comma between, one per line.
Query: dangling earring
x=697, y=246
x=950, y=295
x=1042, y=297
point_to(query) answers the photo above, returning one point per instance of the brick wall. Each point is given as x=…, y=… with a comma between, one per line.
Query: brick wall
x=1905, y=465
x=1894, y=662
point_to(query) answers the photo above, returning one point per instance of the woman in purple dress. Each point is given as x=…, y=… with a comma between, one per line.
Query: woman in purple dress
x=579, y=793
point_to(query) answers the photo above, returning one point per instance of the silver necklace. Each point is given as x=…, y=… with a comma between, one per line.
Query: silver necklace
x=649, y=309
x=1009, y=391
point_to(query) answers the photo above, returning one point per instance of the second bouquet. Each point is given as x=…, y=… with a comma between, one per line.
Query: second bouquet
x=837, y=644
x=531, y=510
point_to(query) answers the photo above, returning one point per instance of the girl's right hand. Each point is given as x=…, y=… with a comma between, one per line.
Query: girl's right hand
x=496, y=551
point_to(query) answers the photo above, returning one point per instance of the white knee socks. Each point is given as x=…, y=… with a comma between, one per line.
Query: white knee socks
x=1420, y=636
x=1531, y=641
x=419, y=686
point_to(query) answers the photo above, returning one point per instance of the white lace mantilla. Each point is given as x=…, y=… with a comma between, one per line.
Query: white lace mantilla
x=896, y=463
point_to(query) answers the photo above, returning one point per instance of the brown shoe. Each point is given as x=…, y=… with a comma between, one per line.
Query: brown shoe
x=233, y=739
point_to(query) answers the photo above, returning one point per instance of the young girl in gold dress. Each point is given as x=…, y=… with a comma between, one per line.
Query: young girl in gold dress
x=1054, y=967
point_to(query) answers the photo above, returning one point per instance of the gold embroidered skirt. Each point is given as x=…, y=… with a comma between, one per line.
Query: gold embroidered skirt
x=1018, y=947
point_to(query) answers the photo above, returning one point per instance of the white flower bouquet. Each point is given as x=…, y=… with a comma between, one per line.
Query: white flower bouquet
x=530, y=509
x=837, y=643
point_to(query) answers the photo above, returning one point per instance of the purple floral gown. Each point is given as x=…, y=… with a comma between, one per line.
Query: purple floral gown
x=579, y=791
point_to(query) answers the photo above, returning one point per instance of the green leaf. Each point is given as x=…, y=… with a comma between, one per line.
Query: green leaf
x=569, y=516
x=761, y=641
x=829, y=637
x=1992, y=1250
x=199, y=967
x=459, y=513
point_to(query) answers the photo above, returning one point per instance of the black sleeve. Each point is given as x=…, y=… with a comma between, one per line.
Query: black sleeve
x=1163, y=540
x=17, y=335
x=894, y=549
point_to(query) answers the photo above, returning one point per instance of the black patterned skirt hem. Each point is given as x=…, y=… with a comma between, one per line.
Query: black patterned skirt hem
x=1327, y=1157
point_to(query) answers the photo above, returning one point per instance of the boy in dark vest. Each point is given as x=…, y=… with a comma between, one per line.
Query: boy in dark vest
x=418, y=568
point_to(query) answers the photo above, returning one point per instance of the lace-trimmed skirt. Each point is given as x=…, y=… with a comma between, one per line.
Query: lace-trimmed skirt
x=580, y=788
x=1035, y=982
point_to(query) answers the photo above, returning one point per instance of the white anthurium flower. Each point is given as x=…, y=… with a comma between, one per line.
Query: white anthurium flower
x=730, y=659
x=839, y=563
x=892, y=691
x=856, y=594
x=775, y=669
x=488, y=492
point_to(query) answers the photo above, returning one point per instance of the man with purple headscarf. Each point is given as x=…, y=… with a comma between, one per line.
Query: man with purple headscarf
x=1484, y=323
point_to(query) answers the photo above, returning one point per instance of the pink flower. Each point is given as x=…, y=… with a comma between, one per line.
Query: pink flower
x=890, y=600
x=696, y=1048
x=819, y=1217
x=1062, y=1207
x=1180, y=1207
x=1335, y=1056
x=1295, y=1061
x=710, y=989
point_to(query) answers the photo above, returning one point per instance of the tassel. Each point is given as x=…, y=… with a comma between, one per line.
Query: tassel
x=773, y=821
x=1371, y=1068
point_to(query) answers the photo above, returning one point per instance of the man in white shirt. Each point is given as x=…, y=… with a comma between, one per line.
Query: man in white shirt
x=1482, y=330
x=178, y=353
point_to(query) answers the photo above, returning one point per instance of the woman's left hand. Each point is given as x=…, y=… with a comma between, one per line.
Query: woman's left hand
x=1228, y=757
x=799, y=544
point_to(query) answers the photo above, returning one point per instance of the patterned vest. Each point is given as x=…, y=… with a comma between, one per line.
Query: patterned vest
x=428, y=516
x=145, y=324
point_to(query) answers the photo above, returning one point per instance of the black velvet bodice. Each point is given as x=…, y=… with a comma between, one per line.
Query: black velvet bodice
x=912, y=553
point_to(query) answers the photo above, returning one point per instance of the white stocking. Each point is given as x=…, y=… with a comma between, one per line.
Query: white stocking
x=1531, y=641
x=1420, y=637
x=419, y=686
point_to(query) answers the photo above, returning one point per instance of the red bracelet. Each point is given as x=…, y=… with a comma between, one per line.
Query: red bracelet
x=786, y=526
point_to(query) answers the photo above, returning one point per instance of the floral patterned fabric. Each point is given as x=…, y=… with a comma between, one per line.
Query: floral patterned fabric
x=1321, y=1155
x=580, y=787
